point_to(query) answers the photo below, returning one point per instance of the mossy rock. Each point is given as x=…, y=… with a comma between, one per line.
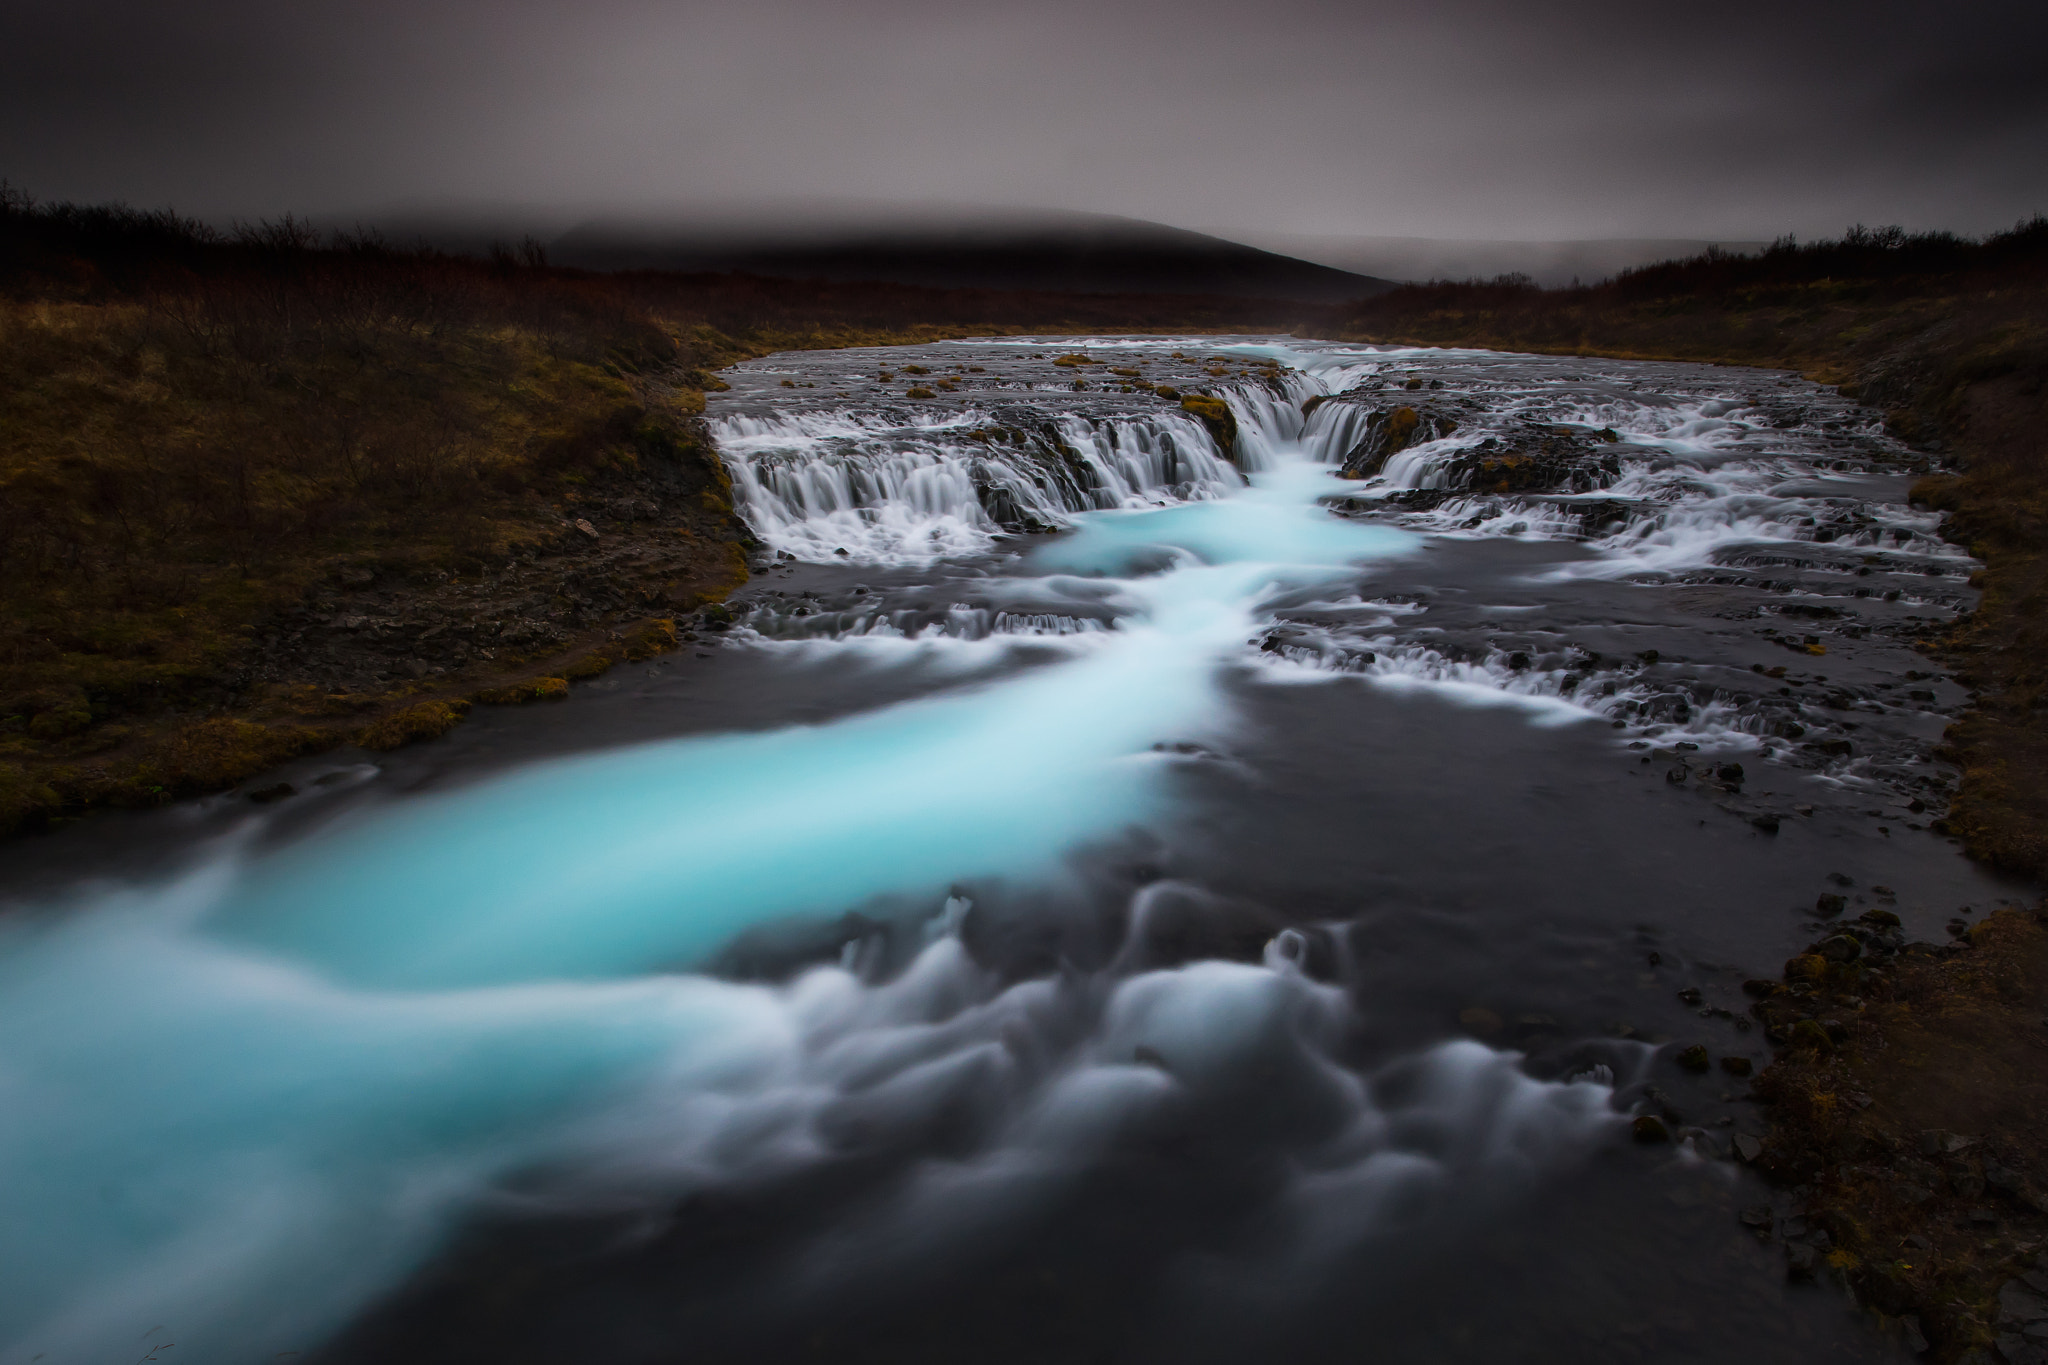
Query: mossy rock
x=1808, y=967
x=425, y=720
x=1531, y=458
x=656, y=637
x=919, y=392
x=24, y=798
x=1390, y=431
x=1215, y=414
x=519, y=693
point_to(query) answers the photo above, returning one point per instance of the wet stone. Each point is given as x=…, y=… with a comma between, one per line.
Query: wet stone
x=2020, y=1304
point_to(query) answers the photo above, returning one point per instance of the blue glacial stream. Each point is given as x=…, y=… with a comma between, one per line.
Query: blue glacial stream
x=1121, y=888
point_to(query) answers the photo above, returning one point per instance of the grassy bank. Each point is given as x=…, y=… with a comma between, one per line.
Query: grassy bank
x=263, y=493
x=1906, y=1098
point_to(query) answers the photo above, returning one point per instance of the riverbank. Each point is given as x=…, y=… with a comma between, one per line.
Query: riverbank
x=264, y=494
x=1948, y=339
x=1905, y=1100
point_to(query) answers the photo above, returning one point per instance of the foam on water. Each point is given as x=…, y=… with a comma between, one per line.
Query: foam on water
x=245, y=1104
x=909, y=488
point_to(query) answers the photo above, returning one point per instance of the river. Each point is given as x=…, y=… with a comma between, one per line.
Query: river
x=1109, y=894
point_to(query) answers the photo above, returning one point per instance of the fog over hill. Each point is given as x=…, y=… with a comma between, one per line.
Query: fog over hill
x=946, y=246
x=1071, y=252
x=1554, y=265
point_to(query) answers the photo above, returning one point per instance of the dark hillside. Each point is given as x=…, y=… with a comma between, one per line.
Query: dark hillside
x=1072, y=254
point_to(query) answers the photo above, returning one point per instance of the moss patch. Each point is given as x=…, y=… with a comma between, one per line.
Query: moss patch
x=1215, y=414
x=425, y=720
x=530, y=690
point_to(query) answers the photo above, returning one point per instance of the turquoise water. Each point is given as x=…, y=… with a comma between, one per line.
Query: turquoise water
x=1221, y=929
x=243, y=1104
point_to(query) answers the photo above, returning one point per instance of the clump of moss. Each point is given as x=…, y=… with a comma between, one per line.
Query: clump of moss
x=210, y=755
x=655, y=637
x=24, y=798
x=424, y=720
x=1401, y=426
x=55, y=712
x=919, y=392
x=519, y=693
x=594, y=664
x=645, y=642
x=1216, y=415
x=1072, y=361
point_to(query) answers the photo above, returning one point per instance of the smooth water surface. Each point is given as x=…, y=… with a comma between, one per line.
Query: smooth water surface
x=1110, y=897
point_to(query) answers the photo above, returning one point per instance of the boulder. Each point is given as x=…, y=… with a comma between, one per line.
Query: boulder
x=1389, y=431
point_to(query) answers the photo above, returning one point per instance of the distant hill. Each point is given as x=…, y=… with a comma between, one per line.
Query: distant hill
x=1552, y=265
x=1064, y=252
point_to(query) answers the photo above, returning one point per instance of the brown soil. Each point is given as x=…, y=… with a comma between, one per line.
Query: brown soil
x=1907, y=1099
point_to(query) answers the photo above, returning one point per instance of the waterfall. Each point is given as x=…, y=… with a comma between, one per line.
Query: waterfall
x=896, y=488
x=258, y=1096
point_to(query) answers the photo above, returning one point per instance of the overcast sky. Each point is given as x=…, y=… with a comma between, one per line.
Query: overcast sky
x=1458, y=118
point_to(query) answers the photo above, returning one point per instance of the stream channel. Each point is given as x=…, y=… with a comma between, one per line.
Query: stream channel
x=1105, y=896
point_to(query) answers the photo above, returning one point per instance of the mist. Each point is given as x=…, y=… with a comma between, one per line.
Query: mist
x=1472, y=119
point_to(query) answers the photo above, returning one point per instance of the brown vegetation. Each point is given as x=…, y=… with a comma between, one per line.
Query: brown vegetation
x=210, y=442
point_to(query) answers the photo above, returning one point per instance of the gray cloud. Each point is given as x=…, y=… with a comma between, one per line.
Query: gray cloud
x=1475, y=118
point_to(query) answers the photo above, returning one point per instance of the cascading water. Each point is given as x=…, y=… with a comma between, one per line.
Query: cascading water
x=1111, y=856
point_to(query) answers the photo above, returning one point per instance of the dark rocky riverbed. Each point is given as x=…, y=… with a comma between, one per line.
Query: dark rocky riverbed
x=1105, y=895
